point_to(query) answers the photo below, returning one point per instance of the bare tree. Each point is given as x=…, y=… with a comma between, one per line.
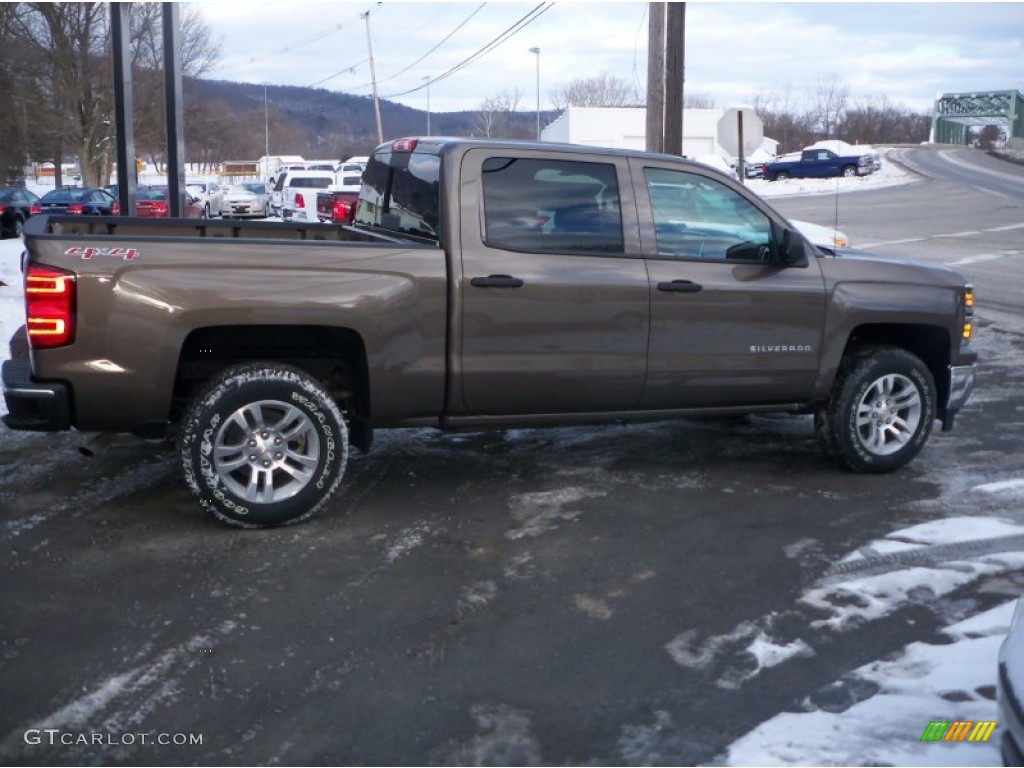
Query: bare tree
x=829, y=103
x=15, y=90
x=495, y=116
x=876, y=120
x=700, y=101
x=602, y=90
x=784, y=121
x=67, y=63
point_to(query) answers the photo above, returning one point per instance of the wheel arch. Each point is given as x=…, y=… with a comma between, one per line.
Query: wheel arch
x=334, y=356
x=930, y=343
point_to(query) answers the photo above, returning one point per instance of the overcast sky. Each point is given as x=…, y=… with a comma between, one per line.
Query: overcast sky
x=908, y=52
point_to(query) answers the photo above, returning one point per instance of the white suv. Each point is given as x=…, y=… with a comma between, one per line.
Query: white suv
x=298, y=193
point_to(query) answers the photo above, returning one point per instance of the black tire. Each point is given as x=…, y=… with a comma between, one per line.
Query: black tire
x=881, y=412
x=263, y=444
x=206, y=211
x=849, y=171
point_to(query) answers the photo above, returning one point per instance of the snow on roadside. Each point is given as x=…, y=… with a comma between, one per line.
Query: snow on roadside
x=891, y=174
x=926, y=682
x=12, y=303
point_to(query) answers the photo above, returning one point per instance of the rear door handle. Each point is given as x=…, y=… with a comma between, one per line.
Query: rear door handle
x=681, y=286
x=497, y=281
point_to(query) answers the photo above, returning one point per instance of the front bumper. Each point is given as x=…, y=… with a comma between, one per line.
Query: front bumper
x=34, y=405
x=961, y=384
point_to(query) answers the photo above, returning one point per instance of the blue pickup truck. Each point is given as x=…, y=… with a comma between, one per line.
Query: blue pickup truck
x=818, y=163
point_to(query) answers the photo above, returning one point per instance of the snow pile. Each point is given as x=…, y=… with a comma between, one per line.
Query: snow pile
x=889, y=175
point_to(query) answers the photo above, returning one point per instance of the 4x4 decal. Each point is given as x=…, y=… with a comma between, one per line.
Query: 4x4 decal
x=128, y=254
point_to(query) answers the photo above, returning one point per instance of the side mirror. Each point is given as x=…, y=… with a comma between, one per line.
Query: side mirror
x=794, y=249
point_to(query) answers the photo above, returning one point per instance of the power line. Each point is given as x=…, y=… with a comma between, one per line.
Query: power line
x=443, y=41
x=535, y=13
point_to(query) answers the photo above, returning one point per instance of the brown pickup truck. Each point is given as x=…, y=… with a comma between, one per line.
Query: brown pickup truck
x=485, y=284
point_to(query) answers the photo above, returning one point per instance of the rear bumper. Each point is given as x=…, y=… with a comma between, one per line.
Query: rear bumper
x=34, y=405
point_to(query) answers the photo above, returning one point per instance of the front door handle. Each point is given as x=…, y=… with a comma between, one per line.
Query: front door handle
x=681, y=286
x=496, y=281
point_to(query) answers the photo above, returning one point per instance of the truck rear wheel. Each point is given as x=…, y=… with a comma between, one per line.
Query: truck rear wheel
x=263, y=444
x=780, y=176
x=881, y=411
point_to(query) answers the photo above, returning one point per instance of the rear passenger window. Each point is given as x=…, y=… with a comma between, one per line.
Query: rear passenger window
x=551, y=206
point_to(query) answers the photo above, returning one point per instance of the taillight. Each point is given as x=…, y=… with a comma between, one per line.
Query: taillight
x=49, y=306
x=299, y=201
x=35, y=208
x=161, y=209
x=342, y=212
x=76, y=208
x=403, y=145
x=116, y=208
x=2, y=209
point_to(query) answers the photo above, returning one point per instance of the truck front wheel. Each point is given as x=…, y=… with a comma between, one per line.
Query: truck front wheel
x=881, y=411
x=849, y=171
x=263, y=444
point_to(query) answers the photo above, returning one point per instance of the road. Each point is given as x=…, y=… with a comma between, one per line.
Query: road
x=597, y=596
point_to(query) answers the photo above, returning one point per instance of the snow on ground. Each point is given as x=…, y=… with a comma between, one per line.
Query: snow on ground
x=891, y=174
x=923, y=684
x=12, y=304
x=876, y=714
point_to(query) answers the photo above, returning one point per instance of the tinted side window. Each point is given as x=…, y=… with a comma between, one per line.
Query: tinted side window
x=700, y=218
x=401, y=193
x=551, y=206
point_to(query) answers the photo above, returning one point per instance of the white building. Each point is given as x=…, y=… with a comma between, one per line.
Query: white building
x=626, y=128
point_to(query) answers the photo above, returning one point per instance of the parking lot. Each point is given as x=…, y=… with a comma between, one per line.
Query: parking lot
x=638, y=595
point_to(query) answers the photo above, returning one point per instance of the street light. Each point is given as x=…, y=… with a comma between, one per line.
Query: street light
x=536, y=51
x=427, y=78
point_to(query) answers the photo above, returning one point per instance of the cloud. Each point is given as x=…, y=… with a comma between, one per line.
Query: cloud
x=734, y=51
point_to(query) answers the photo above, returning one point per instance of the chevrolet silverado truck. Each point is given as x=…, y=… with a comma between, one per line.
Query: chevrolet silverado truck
x=816, y=163
x=484, y=284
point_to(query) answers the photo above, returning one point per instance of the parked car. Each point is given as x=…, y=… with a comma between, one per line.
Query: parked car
x=15, y=208
x=298, y=194
x=243, y=201
x=209, y=193
x=75, y=200
x=818, y=163
x=718, y=163
x=321, y=165
x=874, y=159
x=1011, y=690
x=276, y=184
x=153, y=202
x=828, y=238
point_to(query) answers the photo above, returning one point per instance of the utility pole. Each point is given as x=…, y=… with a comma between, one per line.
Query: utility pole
x=675, y=33
x=266, y=128
x=373, y=80
x=656, y=77
x=427, y=78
